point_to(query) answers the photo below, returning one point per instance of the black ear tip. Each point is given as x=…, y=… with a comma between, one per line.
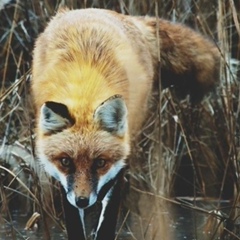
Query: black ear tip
x=54, y=117
x=56, y=107
x=51, y=104
x=60, y=109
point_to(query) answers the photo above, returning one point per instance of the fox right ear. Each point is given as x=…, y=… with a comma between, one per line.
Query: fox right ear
x=111, y=115
x=54, y=117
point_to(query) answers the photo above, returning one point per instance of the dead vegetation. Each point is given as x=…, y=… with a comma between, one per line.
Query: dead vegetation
x=193, y=156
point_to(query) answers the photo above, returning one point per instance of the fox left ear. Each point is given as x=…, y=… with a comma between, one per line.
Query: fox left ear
x=54, y=117
x=111, y=115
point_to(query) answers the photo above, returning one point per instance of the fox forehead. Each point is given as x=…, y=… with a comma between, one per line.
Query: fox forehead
x=84, y=145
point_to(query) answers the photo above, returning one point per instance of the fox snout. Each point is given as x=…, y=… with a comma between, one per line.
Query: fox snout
x=82, y=202
x=81, y=192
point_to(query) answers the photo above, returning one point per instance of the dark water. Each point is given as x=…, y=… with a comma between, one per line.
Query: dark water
x=191, y=224
x=186, y=224
x=15, y=229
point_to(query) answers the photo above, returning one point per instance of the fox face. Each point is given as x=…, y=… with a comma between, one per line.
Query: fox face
x=85, y=160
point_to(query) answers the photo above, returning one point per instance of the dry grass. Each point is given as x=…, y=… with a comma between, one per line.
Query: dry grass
x=196, y=155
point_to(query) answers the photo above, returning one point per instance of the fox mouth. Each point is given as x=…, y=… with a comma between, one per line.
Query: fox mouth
x=86, y=202
x=81, y=202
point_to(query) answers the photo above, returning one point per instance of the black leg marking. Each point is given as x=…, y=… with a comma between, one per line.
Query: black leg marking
x=110, y=208
x=73, y=222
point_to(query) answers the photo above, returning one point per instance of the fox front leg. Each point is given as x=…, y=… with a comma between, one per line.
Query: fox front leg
x=107, y=222
x=74, y=224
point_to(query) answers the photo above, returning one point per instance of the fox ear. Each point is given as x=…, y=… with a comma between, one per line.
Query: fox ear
x=54, y=117
x=111, y=115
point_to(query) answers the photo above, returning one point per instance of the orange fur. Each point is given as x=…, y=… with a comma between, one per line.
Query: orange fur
x=86, y=56
x=84, y=64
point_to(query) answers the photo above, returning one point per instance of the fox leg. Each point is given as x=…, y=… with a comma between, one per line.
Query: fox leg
x=81, y=214
x=74, y=224
x=109, y=214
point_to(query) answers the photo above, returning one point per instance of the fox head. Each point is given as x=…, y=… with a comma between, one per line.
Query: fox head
x=86, y=159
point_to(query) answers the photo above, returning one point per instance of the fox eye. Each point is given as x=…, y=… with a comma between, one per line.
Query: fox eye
x=100, y=163
x=66, y=162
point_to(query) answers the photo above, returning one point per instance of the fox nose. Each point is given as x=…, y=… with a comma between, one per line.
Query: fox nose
x=82, y=202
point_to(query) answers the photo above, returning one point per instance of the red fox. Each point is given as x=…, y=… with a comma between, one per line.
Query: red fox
x=93, y=72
